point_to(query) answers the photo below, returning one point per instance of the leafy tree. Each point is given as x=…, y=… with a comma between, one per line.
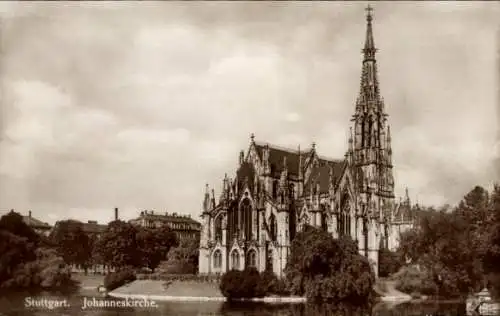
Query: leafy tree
x=118, y=245
x=182, y=259
x=389, y=262
x=72, y=243
x=447, y=245
x=13, y=222
x=328, y=269
x=154, y=244
x=25, y=262
x=15, y=251
x=491, y=244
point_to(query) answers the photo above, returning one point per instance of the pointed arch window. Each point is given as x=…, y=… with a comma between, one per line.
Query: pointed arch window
x=273, y=226
x=370, y=130
x=246, y=211
x=235, y=260
x=275, y=189
x=363, y=132
x=292, y=190
x=217, y=257
x=324, y=225
x=218, y=228
x=251, y=260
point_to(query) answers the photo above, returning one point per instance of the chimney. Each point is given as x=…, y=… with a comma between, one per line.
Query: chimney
x=116, y=213
x=29, y=214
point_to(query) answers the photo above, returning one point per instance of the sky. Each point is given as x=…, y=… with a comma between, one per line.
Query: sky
x=138, y=105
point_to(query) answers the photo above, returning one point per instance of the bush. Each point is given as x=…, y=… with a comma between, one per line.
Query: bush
x=271, y=284
x=389, y=262
x=247, y=284
x=414, y=281
x=119, y=278
x=47, y=271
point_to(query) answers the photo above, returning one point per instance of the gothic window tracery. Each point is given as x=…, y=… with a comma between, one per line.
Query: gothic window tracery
x=292, y=191
x=251, y=260
x=218, y=228
x=275, y=189
x=235, y=260
x=246, y=211
x=363, y=133
x=370, y=128
x=273, y=226
x=324, y=225
x=217, y=257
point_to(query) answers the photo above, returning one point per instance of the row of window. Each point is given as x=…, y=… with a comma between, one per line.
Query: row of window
x=175, y=226
x=251, y=259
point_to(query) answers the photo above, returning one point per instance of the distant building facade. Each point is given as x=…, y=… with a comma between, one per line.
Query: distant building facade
x=276, y=191
x=183, y=226
x=37, y=225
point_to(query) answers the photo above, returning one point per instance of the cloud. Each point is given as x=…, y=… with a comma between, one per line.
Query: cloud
x=138, y=106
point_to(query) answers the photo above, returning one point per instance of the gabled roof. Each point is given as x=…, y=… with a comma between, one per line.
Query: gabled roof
x=321, y=174
x=35, y=223
x=276, y=157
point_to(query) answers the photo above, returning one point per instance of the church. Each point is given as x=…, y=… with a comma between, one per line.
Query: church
x=276, y=191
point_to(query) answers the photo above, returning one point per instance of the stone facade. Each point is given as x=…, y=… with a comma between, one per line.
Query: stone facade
x=276, y=191
x=183, y=226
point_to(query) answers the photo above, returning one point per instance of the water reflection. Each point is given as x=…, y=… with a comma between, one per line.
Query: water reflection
x=13, y=305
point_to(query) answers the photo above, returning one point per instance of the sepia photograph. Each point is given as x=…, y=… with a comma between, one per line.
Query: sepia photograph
x=249, y=158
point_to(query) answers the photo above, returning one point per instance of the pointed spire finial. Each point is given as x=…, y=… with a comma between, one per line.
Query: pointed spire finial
x=252, y=137
x=369, y=11
x=369, y=50
x=313, y=145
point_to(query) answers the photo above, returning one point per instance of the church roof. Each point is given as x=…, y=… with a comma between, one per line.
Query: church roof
x=276, y=156
x=319, y=174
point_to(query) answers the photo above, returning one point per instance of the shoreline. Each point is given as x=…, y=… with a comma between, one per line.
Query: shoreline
x=171, y=298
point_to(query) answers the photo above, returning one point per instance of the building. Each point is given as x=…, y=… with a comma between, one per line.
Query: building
x=403, y=218
x=37, y=225
x=184, y=226
x=91, y=227
x=276, y=191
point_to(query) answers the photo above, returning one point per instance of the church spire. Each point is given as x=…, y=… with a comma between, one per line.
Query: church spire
x=369, y=50
x=369, y=90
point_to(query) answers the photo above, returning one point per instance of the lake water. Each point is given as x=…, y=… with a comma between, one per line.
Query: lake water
x=15, y=305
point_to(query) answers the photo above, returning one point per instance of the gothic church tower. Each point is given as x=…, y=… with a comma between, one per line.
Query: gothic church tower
x=370, y=154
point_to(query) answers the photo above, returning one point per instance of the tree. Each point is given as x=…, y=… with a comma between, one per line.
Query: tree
x=491, y=244
x=154, y=244
x=13, y=222
x=389, y=262
x=183, y=259
x=15, y=251
x=72, y=243
x=445, y=246
x=118, y=245
x=328, y=269
x=25, y=262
